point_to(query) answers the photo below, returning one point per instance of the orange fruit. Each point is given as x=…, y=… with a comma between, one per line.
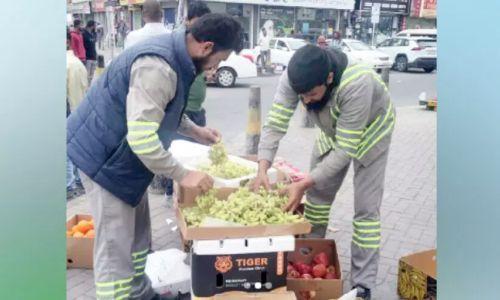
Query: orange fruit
x=84, y=226
x=69, y=233
x=74, y=229
x=90, y=233
x=78, y=234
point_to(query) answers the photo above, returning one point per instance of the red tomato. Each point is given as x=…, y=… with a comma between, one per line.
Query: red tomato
x=319, y=271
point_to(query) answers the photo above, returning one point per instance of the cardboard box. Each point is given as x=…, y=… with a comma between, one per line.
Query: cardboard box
x=187, y=196
x=254, y=265
x=278, y=294
x=417, y=276
x=326, y=289
x=79, y=251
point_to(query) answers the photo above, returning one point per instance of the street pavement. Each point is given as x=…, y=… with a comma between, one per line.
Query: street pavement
x=408, y=211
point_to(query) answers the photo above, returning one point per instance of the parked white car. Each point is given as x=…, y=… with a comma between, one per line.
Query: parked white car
x=428, y=33
x=411, y=52
x=282, y=49
x=359, y=52
x=236, y=66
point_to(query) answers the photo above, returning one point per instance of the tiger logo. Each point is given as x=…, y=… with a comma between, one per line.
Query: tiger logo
x=223, y=264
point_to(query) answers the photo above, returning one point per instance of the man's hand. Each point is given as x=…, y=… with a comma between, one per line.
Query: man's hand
x=295, y=192
x=262, y=179
x=210, y=74
x=206, y=136
x=199, y=180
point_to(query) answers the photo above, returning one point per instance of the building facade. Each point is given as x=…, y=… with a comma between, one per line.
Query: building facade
x=300, y=18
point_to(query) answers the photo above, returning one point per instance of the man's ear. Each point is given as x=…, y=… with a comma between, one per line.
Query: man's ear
x=206, y=48
x=329, y=79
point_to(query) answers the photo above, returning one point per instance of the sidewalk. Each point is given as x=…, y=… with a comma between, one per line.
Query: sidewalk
x=408, y=208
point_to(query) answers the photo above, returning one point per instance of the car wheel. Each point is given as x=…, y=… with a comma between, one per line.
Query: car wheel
x=401, y=63
x=429, y=70
x=226, y=77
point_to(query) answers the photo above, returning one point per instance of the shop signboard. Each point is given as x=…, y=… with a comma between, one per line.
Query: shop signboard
x=428, y=9
x=79, y=8
x=387, y=6
x=323, y=4
x=98, y=6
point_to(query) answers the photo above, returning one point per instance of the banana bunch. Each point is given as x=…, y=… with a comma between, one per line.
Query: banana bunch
x=221, y=166
x=412, y=284
x=243, y=207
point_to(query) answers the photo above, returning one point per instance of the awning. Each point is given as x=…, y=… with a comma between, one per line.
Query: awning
x=324, y=4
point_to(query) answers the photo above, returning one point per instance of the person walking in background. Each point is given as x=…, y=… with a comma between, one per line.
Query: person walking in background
x=89, y=41
x=152, y=16
x=321, y=42
x=121, y=30
x=77, y=41
x=76, y=85
x=337, y=40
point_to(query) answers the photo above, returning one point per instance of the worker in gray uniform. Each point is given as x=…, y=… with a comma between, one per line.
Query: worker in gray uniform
x=119, y=138
x=350, y=105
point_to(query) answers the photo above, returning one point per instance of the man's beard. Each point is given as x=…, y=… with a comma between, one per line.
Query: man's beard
x=318, y=105
x=199, y=63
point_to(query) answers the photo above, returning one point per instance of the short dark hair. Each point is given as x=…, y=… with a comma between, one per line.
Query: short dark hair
x=77, y=22
x=221, y=29
x=197, y=9
x=68, y=34
x=90, y=23
x=308, y=68
x=151, y=11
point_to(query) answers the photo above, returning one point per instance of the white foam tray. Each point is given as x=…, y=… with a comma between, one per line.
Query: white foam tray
x=193, y=156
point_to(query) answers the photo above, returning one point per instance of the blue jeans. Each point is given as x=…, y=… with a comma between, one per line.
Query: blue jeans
x=72, y=176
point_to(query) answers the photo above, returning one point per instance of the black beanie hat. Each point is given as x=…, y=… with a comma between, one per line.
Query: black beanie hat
x=308, y=68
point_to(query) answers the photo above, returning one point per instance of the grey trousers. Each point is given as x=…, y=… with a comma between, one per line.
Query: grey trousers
x=368, y=193
x=90, y=65
x=122, y=243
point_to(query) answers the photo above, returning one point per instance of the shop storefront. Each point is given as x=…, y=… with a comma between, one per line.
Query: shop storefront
x=78, y=9
x=393, y=15
x=300, y=18
x=423, y=14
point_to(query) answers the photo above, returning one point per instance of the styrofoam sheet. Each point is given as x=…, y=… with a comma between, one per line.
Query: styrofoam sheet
x=244, y=246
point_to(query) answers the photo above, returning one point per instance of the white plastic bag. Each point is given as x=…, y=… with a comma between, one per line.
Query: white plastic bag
x=168, y=273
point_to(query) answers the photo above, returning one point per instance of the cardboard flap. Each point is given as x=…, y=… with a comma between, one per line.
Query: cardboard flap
x=278, y=294
x=424, y=261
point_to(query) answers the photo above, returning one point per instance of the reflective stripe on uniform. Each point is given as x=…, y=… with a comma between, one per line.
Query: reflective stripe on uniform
x=366, y=234
x=383, y=128
x=279, y=117
x=142, y=137
x=119, y=289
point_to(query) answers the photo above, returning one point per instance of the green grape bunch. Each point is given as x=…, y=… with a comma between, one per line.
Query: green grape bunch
x=242, y=207
x=221, y=166
x=217, y=154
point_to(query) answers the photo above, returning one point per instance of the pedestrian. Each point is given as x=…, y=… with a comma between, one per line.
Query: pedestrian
x=352, y=108
x=76, y=85
x=119, y=137
x=77, y=40
x=321, y=42
x=265, y=36
x=99, y=34
x=89, y=41
x=336, y=40
x=197, y=92
x=122, y=30
x=152, y=15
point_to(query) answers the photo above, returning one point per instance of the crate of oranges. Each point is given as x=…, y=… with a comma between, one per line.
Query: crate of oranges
x=80, y=242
